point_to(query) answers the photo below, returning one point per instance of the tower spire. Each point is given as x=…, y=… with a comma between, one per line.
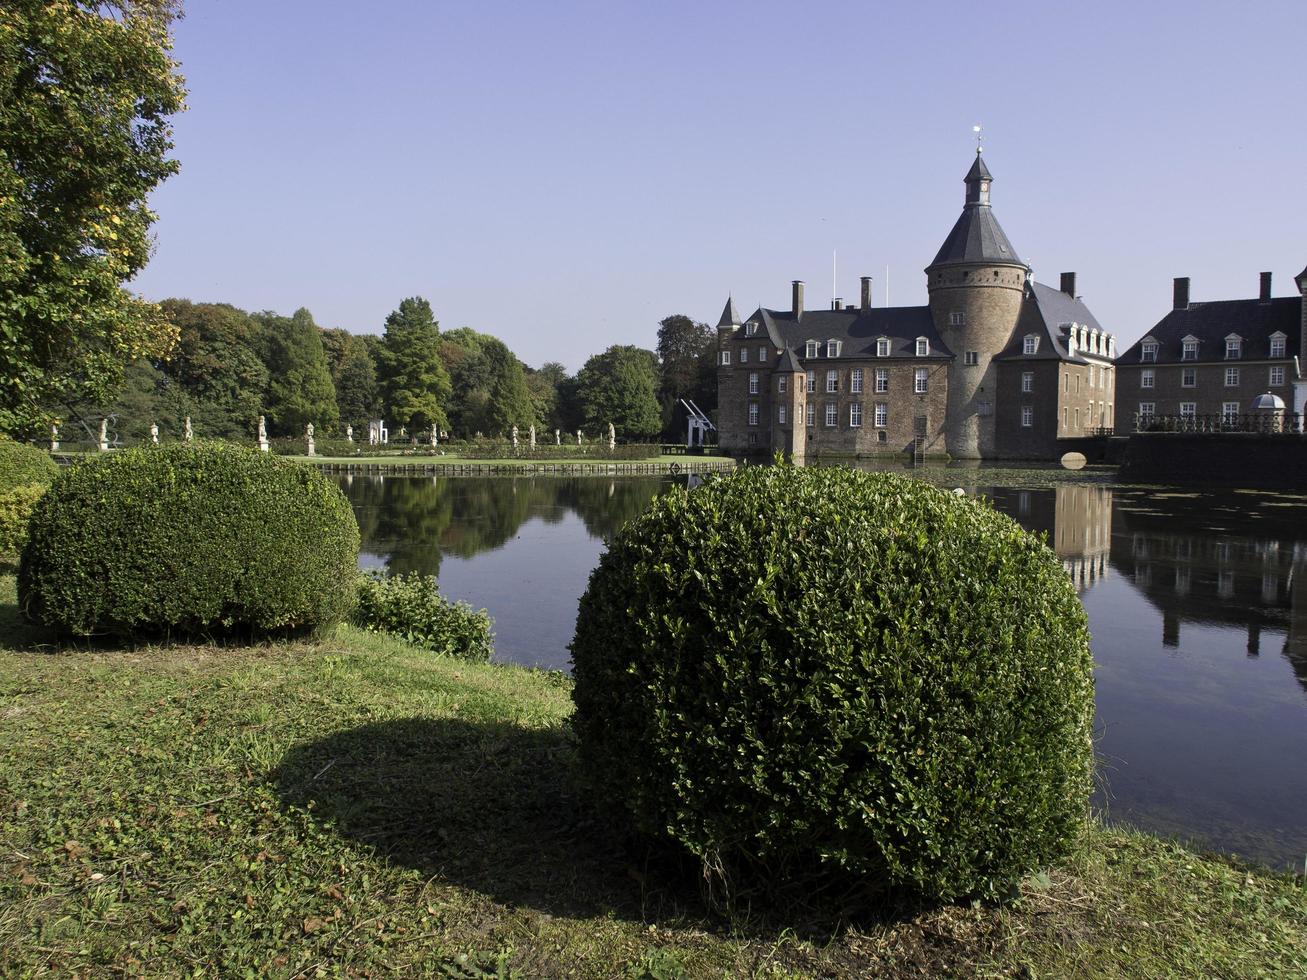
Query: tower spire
x=978, y=179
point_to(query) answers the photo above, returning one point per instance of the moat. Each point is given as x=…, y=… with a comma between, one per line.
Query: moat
x=1197, y=602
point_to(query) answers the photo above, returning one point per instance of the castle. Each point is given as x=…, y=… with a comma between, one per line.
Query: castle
x=995, y=366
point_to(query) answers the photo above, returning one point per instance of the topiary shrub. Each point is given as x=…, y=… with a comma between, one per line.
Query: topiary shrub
x=16, y=508
x=192, y=539
x=412, y=608
x=824, y=671
x=23, y=465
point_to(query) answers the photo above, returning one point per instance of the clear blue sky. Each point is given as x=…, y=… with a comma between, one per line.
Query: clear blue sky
x=563, y=175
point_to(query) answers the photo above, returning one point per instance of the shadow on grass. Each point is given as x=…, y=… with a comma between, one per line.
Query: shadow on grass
x=487, y=806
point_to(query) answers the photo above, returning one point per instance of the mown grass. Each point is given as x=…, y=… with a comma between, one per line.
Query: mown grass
x=358, y=807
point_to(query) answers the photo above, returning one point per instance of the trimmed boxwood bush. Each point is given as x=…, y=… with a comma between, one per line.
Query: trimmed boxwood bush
x=793, y=671
x=192, y=539
x=22, y=465
x=25, y=472
x=412, y=608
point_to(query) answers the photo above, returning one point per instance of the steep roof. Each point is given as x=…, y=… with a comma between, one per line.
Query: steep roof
x=730, y=315
x=978, y=170
x=1045, y=311
x=1211, y=323
x=857, y=330
x=788, y=363
x=977, y=237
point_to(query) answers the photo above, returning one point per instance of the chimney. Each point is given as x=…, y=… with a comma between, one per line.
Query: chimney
x=1266, y=287
x=1069, y=284
x=1181, y=293
x=837, y=303
x=866, y=292
x=797, y=294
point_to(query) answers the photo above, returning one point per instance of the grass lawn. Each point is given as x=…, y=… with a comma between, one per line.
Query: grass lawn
x=359, y=807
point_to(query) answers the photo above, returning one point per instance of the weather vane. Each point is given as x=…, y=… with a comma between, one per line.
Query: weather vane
x=979, y=137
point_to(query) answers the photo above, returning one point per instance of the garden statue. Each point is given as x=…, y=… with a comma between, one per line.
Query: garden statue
x=263, y=434
x=533, y=438
x=154, y=433
x=308, y=435
x=104, y=435
x=514, y=437
x=54, y=438
x=187, y=432
x=349, y=433
x=558, y=438
x=435, y=435
x=578, y=437
x=612, y=437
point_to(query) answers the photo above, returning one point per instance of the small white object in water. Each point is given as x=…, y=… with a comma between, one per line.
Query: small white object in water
x=959, y=492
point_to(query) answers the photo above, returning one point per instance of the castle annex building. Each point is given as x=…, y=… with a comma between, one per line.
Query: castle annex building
x=995, y=366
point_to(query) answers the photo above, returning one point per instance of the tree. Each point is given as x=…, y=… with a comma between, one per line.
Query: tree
x=620, y=386
x=217, y=364
x=508, y=401
x=86, y=92
x=684, y=347
x=354, y=373
x=491, y=394
x=413, y=378
x=300, y=390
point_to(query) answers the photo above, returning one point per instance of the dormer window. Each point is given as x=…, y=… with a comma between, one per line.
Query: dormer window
x=923, y=347
x=1189, y=349
x=882, y=347
x=810, y=348
x=1277, y=344
x=750, y=329
x=832, y=348
x=1233, y=347
x=1030, y=344
x=1148, y=351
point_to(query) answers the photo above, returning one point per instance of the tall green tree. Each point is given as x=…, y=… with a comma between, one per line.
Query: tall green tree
x=300, y=389
x=620, y=386
x=354, y=373
x=684, y=347
x=216, y=363
x=508, y=401
x=86, y=93
x=413, y=379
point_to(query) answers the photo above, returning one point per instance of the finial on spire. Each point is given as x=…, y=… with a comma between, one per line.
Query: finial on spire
x=980, y=137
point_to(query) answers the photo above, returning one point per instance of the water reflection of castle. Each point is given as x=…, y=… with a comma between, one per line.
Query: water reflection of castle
x=1077, y=521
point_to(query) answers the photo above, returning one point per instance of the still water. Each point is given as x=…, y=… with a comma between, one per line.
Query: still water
x=1197, y=602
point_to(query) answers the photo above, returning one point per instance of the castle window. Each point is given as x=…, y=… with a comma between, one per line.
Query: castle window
x=832, y=348
x=957, y=319
x=1027, y=416
x=882, y=380
x=1189, y=352
x=744, y=355
x=726, y=358
x=1188, y=410
x=920, y=381
x=1229, y=412
x=855, y=416
x=753, y=413
x=812, y=381
x=811, y=414
x=1027, y=382
x=750, y=329
x=1231, y=377
x=1148, y=352
x=753, y=383
x=1277, y=375
x=762, y=355
x=1189, y=378
x=855, y=381
x=832, y=382
x=783, y=384
x=881, y=418
x=1147, y=378
x=923, y=346
x=1030, y=344
x=1233, y=348
x=971, y=358
x=810, y=348
x=780, y=415
x=832, y=415
x=1146, y=411
x=882, y=347
x=1277, y=345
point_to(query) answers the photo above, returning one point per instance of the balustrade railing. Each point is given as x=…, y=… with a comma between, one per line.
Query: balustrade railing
x=1264, y=423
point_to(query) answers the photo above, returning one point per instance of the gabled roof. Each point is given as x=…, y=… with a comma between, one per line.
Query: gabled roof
x=1211, y=323
x=787, y=363
x=1044, y=311
x=857, y=331
x=976, y=237
x=730, y=315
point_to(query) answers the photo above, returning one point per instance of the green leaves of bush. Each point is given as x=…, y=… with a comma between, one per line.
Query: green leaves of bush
x=23, y=465
x=824, y=670
x=192, y=539
x=411, y=607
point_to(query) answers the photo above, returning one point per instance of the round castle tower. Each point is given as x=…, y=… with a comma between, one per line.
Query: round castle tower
x=976, y=286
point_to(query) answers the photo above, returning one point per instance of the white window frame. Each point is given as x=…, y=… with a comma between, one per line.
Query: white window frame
x=1030, y=344
x=1027, y=417
x=833, y=348
x=750, y=329
x=1278, y=345
x=923, y=347
x=753, y=413
x=1232, y=377
x=744, y=355
x=855, y=381
x=1189, y=377
x=810, y=415
x=957, y=319
x=832, y=415
x=1189, y=350
x=920, y=381
x=753, y=382
x=1188, y=410
x=971, y=358
x=1027, y=382
x=812, y=381
x=1229, y=413
x=783, y=384
x=726, y=358
x=1233, y=348
x=882, y=347
x=1147, y=410
x=1276, y=376
x=780, y=414
x=1148, y=352
x=882, y=380
x=832, y=382
x=1148, y=378
x=762, y=354
x=855, y=415
x=810, y=348
x=880, y=417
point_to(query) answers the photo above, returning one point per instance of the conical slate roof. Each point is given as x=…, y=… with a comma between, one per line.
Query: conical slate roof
x=978, y=170
x=730, y=316
x=977, y=237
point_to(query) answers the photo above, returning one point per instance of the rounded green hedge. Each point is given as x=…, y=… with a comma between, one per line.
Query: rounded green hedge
x=790, y=671
x=22, y=465
x=194, y=539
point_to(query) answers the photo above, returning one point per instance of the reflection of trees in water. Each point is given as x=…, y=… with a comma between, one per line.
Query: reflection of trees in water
x=412, y=521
